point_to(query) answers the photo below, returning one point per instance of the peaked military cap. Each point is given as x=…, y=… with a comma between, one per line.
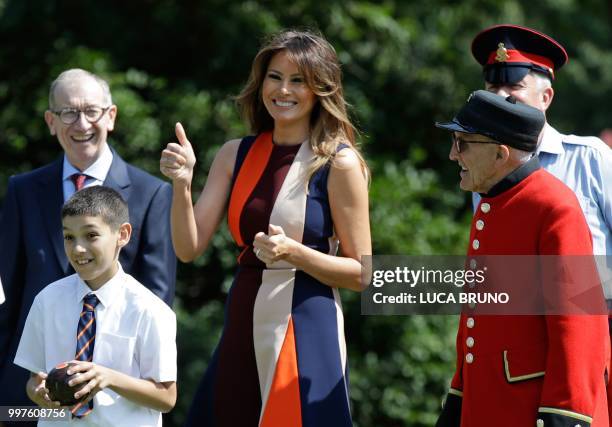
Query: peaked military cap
x=502, y=119
x=508, y=52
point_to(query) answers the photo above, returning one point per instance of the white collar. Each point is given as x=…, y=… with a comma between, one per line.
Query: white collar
x=105, y=293
x=552, y=141
x=98, y=169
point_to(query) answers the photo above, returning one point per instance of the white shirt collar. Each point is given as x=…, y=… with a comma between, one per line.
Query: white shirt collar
x=98, y=170
x=552, y=141
x=105, y=293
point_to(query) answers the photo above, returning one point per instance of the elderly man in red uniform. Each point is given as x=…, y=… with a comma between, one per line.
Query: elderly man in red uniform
x=529, y=370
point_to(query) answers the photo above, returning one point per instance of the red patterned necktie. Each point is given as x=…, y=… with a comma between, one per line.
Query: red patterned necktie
x=78, y=179
x=86, y=337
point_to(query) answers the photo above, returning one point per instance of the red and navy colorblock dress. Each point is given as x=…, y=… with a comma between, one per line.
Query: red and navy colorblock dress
x=281, y=360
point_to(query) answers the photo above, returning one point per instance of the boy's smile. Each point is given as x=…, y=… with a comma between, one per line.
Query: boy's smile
x=92, y=247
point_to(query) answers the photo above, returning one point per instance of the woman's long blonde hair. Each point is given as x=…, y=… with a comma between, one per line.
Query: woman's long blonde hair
x=317, y=61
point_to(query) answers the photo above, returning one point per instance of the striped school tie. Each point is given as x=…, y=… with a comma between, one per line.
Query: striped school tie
x=86, y=337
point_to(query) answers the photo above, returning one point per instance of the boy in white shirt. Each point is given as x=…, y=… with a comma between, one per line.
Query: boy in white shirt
x=125, y=349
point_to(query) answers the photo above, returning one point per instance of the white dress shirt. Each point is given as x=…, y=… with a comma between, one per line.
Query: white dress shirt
x=135, y=335
x=96, y=173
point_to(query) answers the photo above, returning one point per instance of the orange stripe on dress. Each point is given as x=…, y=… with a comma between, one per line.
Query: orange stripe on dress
x=246, y=248
x=283, y=407
x=250, y=173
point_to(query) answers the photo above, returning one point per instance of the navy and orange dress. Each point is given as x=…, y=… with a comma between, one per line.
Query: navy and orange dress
x=281, y=360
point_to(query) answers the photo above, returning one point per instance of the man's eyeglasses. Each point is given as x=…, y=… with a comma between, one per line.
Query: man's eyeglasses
x=69, y=116
x=461, y=144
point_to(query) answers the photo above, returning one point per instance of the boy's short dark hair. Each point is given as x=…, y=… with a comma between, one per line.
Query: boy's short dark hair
x=98, y=201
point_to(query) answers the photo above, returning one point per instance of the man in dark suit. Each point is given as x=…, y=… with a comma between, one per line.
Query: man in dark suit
x=80, y=115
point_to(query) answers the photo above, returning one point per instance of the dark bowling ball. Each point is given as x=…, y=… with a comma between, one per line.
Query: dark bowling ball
x=59, y=390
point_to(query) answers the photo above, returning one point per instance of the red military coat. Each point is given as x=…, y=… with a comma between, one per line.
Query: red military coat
x=529, y=370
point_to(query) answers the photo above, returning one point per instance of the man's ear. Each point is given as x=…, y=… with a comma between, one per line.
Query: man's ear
x=503, y=153
x=112, y=115
x=49, y=119
x=546, y=97
x=125, y=232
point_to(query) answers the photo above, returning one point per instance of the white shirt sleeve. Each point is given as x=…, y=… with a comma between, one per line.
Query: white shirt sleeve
x=156, y=344
x=31, y=353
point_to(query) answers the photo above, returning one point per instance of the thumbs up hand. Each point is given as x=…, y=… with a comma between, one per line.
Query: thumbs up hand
x=177, y=160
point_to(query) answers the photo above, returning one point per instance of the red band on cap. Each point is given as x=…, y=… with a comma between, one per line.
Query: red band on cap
x=518, y=56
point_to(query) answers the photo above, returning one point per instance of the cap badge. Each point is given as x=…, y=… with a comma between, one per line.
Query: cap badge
x=502, y=53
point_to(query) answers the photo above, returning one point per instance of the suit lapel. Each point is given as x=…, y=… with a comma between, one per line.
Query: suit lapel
x=51, y=198
x=118, y=178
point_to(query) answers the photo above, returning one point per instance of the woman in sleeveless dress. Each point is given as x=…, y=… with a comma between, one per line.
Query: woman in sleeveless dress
x=293, y=193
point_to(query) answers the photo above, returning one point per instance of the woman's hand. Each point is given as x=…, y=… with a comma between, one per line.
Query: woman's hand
x=177, y=160
x=273, y=246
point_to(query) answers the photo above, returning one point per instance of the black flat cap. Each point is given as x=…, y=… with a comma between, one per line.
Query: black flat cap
x=502, y=119
x=508, y=52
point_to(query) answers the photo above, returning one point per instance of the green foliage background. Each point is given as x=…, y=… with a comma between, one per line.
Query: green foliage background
x=406, y=65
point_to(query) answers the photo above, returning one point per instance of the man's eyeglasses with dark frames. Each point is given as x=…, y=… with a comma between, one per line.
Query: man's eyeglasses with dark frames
x=460, y=143
x=69, y=116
